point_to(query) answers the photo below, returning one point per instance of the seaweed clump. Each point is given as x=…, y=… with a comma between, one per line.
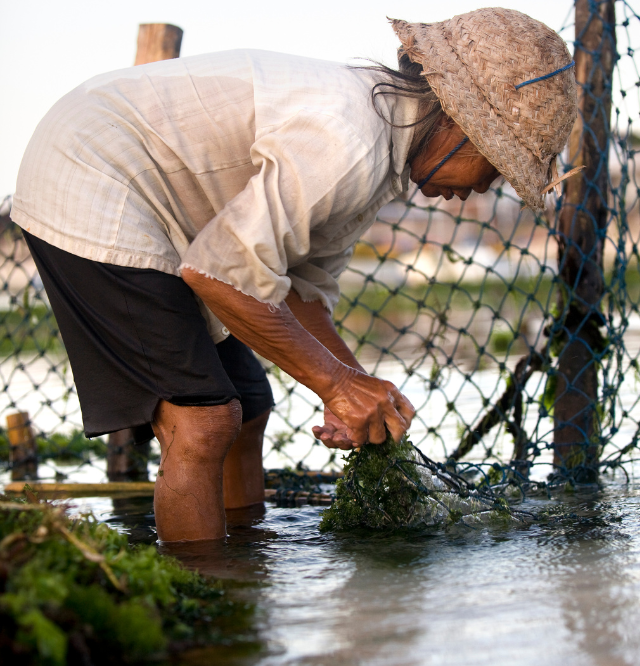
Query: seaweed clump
x=74, y=591
x=395, y=486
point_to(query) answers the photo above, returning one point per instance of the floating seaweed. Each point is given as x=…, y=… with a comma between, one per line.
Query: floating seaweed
x=395, y=486
x=74, y=591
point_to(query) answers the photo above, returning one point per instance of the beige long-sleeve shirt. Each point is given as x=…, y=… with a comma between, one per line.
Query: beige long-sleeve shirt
x=255, y=168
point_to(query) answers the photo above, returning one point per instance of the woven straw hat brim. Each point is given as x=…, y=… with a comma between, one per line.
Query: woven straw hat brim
x=473, y=63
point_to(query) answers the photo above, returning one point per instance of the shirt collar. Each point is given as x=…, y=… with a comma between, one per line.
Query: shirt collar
x=399, y=110
x=404, y=111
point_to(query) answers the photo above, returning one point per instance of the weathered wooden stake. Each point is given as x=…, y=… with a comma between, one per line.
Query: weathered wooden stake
x=23, y=455
x=125, y=460
x=583, y=221
x=158, y=41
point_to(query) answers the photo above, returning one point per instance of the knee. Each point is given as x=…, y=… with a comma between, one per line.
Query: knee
x=216, y=430
x=203, y=434
x=223, y=420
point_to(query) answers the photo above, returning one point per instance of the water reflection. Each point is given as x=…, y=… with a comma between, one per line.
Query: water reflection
x=135, y=516
x=595, y=566
x=560, y=593
x=240, y=556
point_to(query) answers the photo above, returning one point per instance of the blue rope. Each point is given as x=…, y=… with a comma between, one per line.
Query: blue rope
x=546, y=76
x=424, y=181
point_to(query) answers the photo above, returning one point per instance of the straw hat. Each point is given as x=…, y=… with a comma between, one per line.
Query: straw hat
x=474, y=62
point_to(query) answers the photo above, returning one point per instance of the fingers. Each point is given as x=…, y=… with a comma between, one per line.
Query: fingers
x=402, y=404
x=396, y=425
x=359, y=436
x=328, y=430
x=367, y=407
x=332, y=438
x=377, y=431
x=396, y=429
x=337, y=441
x=406, y=410
x=397, y=415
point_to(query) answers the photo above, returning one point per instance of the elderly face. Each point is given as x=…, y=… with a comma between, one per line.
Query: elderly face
x=465, y=171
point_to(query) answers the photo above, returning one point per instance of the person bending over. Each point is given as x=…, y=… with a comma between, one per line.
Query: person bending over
x=185, y=212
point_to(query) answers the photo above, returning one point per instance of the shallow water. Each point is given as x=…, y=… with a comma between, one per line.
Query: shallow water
x=564, y=592
x=550, y=593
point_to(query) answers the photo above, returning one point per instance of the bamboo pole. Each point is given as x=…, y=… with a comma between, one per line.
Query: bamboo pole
x=125, y=459
x=66, y=490
x=145, y=489
x=23, y=454
x=583, y=220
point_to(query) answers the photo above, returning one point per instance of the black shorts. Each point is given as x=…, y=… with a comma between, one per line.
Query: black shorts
x=135, y=336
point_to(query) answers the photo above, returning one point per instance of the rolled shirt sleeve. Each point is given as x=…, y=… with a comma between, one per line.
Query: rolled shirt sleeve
x=291, y=222
x=317, y=278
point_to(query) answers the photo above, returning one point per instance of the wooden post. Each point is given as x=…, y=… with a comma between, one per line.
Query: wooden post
x=125, y=460
x=23, y=455
x=583, y=221
x=158, y=41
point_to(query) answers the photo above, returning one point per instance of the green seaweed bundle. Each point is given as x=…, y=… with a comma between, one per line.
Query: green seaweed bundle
x=395, y=486
x=74, y=591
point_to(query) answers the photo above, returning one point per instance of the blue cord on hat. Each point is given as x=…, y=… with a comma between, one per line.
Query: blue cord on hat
x=424, y=181
x=546, y=76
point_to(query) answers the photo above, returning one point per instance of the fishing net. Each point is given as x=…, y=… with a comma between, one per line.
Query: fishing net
x=515, y=336
x=395, y=486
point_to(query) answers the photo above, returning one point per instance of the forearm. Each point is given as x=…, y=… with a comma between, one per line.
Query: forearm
x=364, y=404
x=274, y=333
x=316, y=319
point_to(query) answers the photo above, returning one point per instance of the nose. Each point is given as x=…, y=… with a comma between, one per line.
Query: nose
x=483, y=187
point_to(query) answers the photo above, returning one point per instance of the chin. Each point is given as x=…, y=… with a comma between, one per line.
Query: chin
x=431, y=192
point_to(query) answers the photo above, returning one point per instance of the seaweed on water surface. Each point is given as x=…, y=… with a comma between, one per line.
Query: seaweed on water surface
x=395, y=486
x=74, y=591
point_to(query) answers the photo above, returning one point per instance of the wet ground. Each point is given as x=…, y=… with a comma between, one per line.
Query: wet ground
x=556, y=592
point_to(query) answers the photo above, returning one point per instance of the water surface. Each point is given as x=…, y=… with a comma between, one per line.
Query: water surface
x=563, y=592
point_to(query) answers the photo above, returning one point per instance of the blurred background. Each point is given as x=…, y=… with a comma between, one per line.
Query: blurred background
x=48, y=48
x=463, y=305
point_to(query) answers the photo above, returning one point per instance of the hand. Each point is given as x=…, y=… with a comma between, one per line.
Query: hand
x=333, y=434
x=368, y=407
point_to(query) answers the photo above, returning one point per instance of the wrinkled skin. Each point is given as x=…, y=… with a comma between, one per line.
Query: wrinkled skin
x=307, y=347
x=209, y=458
x=466, y=171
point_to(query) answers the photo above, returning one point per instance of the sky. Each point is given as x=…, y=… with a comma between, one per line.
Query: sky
x=48, y=47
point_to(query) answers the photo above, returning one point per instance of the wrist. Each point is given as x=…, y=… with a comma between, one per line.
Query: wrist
x=331, y=383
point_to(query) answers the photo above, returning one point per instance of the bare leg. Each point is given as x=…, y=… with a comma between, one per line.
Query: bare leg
x=188, y=495
x=243, y=473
